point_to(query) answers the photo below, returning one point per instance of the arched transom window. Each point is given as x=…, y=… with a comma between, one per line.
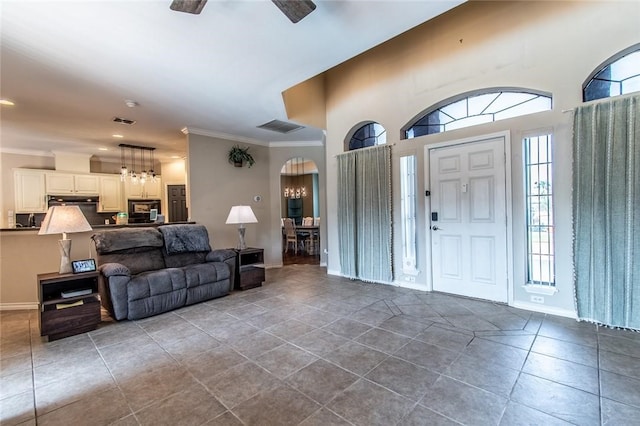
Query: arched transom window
x=478, y=108
x=620, y=75
x=370, y=134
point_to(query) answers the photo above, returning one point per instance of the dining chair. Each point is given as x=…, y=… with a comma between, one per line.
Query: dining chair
x=291, y=236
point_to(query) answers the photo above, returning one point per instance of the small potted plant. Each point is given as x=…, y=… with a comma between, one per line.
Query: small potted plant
x=238, y=156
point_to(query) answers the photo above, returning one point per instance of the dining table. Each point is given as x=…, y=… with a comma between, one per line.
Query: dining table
x=313, y=235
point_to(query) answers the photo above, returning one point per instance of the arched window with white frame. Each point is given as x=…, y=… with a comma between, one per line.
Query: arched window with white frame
x=618, y=75
x=477, y=107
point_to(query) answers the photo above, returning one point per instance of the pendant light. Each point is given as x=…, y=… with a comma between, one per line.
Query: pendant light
x=288, y=191
x=134, y=177
x=303, y=190
x=143, y=174
x=151, y=172
x=123, y=170
x=130, y=172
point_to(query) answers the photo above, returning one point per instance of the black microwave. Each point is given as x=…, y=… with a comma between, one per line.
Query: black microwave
x=140, y=211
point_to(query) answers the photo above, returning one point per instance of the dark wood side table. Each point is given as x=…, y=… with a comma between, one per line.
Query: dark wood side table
x=69, y=304
x=249, y=268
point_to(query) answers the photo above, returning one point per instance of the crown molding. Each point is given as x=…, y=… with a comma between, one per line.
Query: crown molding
x=235, y=138
x=284, y=144
x=220, y=135
x=33, y=152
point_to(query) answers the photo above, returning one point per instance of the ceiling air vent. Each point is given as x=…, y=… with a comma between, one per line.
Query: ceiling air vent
x=280, y=126
x=123, y=121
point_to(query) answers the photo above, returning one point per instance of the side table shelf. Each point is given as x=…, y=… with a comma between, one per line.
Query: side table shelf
x=249, y=268
x=62, y=316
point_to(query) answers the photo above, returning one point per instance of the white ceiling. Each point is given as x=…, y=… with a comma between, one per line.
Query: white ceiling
x=70, y=65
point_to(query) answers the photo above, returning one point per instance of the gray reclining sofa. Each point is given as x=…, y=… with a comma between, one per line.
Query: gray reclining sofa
x=145, y=271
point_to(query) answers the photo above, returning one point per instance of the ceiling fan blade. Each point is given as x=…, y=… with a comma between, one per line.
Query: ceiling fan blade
x=188, y=6
x=295, y=9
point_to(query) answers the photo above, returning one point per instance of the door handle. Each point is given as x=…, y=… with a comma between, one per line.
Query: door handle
x=435, y=228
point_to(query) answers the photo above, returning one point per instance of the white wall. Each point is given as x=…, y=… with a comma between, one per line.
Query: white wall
x=547, y=46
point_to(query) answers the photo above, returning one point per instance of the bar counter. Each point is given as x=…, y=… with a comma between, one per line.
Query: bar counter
x=111, y=226
x=24, y=254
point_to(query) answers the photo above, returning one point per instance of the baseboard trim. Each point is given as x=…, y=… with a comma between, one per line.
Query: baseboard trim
x=411, y=286
x=545, y=309
x=334, y=272
x=17, y=306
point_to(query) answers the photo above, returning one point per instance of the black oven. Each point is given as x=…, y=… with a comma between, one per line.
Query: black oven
x=140, y=210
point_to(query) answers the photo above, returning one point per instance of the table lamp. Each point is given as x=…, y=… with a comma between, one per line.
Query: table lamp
x=64, y=220
x=241, y=215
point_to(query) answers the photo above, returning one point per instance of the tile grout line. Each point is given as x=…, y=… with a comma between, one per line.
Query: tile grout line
x=132, y=412
x=33, y=369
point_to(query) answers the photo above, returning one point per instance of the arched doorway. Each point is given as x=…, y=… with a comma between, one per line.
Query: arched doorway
x=300, y=207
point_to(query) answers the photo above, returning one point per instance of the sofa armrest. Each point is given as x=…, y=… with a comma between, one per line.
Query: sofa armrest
x=228, y=257
x=114, y=269
x=220, y=255
x=114, y=278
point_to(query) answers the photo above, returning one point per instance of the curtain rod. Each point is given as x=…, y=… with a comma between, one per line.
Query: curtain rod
x=364, y=149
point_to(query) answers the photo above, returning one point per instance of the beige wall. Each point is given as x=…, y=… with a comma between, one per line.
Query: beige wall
x=24, y=255
x=305, y=102
x=215, y=186
x=548, y=46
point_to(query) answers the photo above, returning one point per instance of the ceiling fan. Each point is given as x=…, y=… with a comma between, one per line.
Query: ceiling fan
x=295, y=10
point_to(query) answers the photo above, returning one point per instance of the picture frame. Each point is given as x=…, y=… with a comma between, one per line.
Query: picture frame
x=84, y=265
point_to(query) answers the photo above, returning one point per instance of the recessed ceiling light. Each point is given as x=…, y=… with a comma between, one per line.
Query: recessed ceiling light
x=175, y=156
x=131, y=103
x=6, y=102
x=118, y=136
x=103, y=149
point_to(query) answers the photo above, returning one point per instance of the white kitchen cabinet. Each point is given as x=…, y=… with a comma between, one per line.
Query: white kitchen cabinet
x=148, y=191
x=110, y=194
x=70, y=184
x=153, y=190
x=30, y=196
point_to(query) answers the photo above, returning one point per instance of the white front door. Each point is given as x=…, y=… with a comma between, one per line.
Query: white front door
x=468, y=219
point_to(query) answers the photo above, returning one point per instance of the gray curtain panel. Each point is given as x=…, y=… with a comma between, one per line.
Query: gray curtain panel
x=364, y=214
x=606, y=212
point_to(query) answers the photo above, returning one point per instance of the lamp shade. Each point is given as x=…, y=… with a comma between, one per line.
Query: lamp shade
x=241, y=214
x=63, y=220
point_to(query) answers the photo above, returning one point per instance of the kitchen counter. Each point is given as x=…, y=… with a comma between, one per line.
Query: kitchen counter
x=24, y=254
x=112, y=226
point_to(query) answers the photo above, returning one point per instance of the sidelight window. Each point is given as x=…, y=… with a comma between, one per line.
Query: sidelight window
x=408, y=183
x=539, y=209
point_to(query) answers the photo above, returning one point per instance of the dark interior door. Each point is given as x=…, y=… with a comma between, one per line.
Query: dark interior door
x=177, y=203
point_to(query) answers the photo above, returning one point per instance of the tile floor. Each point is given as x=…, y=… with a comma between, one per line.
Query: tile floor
x=310, y=349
